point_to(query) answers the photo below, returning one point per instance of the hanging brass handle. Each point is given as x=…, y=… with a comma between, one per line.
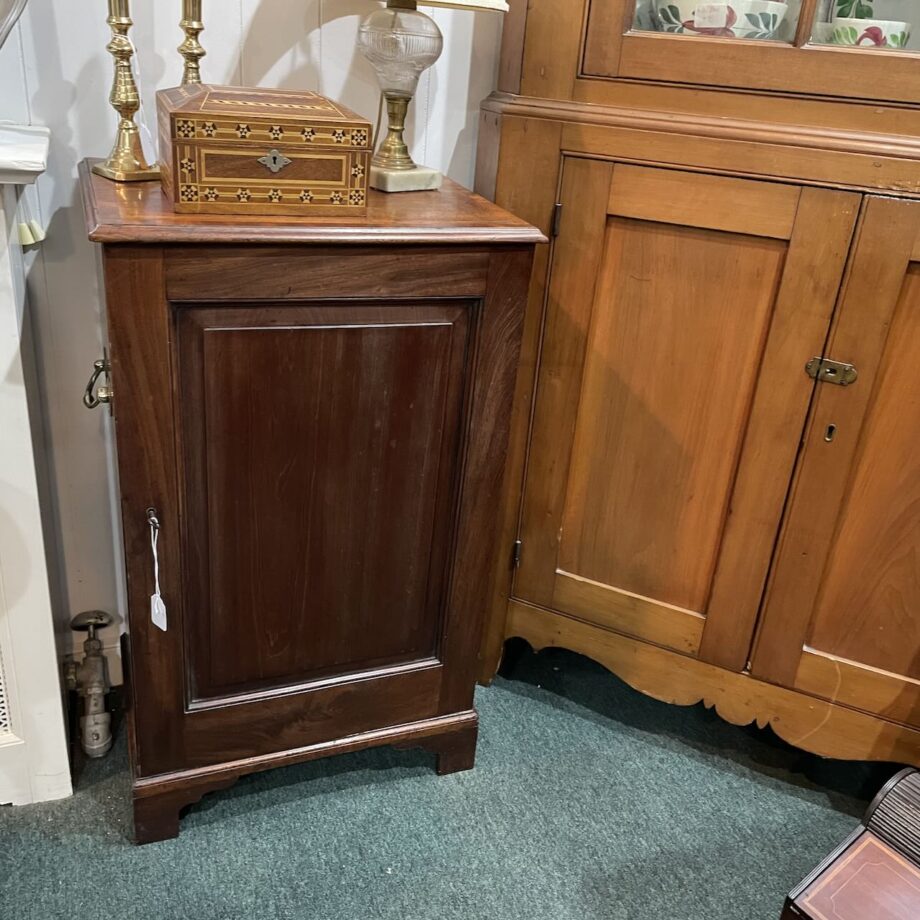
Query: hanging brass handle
x=94, y=396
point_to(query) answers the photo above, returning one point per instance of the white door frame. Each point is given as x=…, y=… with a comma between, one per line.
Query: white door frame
x=34, y=763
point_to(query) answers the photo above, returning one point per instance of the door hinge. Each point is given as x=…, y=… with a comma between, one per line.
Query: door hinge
x=826, y=371
x=557, y=218
x=516, y=554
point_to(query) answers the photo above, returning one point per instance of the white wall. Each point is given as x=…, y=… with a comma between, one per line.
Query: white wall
x=54, y=71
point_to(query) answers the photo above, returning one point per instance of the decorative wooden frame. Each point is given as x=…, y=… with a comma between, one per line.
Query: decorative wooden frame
x=871, y=74
x=598, y=43
x=545, y=56
x=821, y=727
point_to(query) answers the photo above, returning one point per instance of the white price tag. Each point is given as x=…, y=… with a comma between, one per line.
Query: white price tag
x=158, y=611
x=710, y=16
x=157, y=607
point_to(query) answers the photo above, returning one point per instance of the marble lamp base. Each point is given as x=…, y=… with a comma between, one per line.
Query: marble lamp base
x=417, y=179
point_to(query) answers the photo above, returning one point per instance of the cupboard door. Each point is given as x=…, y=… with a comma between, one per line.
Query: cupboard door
x=319, y=451
x=308, y=433
x=842, y=612
x=786, y=47
x=671, y=398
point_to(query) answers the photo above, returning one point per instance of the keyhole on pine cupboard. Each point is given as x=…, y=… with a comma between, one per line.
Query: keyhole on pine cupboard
x=829, y=433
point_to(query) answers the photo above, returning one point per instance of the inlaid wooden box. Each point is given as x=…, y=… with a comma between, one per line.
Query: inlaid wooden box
x=233, y=150
x=875, y=873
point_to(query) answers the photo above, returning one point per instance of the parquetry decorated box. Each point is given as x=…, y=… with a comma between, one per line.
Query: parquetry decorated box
x=233, y=150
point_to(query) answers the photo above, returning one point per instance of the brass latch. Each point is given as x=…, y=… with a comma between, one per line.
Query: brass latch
x=94, y=396
x=826, y=371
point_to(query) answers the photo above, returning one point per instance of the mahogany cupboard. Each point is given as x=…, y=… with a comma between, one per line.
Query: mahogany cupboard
x=714, y=484
x=310, y=423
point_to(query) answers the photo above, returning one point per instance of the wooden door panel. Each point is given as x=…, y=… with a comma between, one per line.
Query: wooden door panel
x=669, y=313
x=818, y=249
x=262, y=723
x=680, y=319
x=704, y=201
x=308, y=432
x=841, y=613
x=576, y=265
x=652, y=619
x=869, y=610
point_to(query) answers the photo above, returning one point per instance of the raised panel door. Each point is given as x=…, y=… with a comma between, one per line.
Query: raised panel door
x=671, y=397
x=318, y=462
x=308, y=433
x=842, y=614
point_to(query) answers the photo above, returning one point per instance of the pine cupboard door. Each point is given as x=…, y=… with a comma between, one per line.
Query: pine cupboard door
x=841, y=618
x=671, y=397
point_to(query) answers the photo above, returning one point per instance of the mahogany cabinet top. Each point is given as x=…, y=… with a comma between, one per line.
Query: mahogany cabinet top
x=139, y=213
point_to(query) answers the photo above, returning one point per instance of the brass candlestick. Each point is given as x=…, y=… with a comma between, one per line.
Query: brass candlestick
x=191, y=49
x=393, y=152
x=126, y=162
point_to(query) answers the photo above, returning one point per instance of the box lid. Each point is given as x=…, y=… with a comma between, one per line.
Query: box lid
x=204, y=111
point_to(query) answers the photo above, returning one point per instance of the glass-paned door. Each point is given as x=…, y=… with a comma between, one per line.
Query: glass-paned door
x=886, y=25
x=855, y=49
x=758, y=20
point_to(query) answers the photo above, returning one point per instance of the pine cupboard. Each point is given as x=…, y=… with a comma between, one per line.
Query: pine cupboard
x=714, y=476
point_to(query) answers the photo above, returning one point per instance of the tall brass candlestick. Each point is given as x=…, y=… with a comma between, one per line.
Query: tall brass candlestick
x=191, y=48
x=126, y=162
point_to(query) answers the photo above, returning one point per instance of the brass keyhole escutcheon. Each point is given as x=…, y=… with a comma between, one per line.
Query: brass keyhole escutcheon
x=274, y=161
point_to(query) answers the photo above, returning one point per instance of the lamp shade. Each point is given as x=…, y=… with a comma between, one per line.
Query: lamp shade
x=498, y=6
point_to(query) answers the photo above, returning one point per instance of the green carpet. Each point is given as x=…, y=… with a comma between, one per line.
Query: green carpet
x=588, y=801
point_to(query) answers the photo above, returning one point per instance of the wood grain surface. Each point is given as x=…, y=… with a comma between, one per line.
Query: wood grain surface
x=819, y=726
x=264, y=273
x=767, y=142
x=578, y=260
x=708, y=202
x=870, y=879
x=321, y=427
x=823, y=491
x=671, y=397
x=790, y=142
x=663, y=403
x=805, y=302
x=140, y=213
x=307, y=477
